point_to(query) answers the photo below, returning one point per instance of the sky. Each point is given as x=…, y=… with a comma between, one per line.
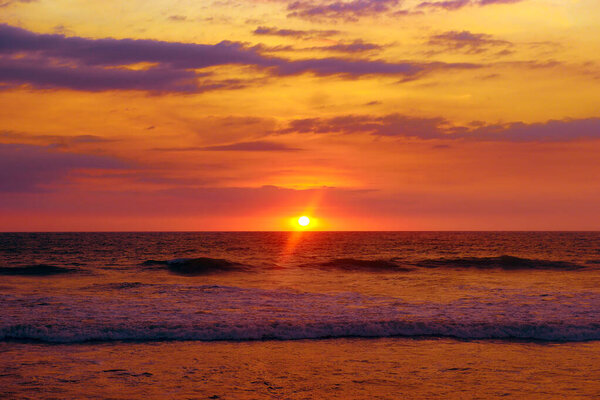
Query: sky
x=245, y=114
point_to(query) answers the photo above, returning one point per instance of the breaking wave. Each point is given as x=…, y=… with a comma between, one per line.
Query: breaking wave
x=117, y=285
x=206, y=265
x=501, y=262
x=208, y=313
x=296, y=331
x=197, y=266
x=352, y=264
x=36, y=270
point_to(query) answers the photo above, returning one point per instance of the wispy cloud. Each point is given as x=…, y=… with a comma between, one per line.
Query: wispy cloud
x=357, y=68
x=468, y=42
x=177, y=18
x=446, y=5
x=295, y=33
x=457, y=4
x=340, y=10
x=550, y=131
x=56, y=141
x=6, y=3
x=397, y=125
x=342, y=46
x=355, y=46
x=388, y=125
x=241, y=146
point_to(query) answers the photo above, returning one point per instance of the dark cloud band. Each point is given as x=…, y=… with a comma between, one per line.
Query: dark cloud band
x=56, y=61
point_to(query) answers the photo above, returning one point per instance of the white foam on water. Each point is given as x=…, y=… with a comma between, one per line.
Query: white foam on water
x=186, y=312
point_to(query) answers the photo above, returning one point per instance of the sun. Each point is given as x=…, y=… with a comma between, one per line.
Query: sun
x=303, y=220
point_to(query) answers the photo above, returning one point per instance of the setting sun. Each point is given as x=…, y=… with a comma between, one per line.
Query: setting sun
x=303, y=221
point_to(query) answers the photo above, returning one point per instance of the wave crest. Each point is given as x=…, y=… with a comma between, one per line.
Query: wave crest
x=504, y=262
x=213, y=312
x=36, y=270
x=294, y=331
x=353, y=264
x=197, y=266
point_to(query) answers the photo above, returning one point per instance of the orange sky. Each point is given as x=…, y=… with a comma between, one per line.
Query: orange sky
x=241, y=114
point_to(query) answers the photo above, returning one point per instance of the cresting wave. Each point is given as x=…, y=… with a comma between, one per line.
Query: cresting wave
x=211, y=312
x=352, y=264
x=504, y=262
x=36, y=270
x=501, y=262
x=205, y=265
x=197, y=266
x=290, y=331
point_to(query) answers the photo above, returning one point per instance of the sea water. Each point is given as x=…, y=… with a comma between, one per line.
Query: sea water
x=255, y=314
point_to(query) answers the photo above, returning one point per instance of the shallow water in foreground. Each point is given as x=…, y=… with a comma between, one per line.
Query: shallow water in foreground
x=386, y=368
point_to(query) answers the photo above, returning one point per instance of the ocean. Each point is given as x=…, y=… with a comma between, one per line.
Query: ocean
x=300, y=315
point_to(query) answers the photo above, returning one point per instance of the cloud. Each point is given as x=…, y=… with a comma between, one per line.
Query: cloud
x=29, y=168
x=446, y=5
x=357, y=68
x=113, y=52
x=348, y=47
x=43, y=75
x=549, y=131
x=6, y=3
x=53, y=140
x=241, y=146
x=388, y=125
x=488, y=2
x=353, y=10
x=54, y=61
x=397, y=125
x=299, y=34
x=340, y=10
x=457, y=4
x=465, y=41
x=356, y=46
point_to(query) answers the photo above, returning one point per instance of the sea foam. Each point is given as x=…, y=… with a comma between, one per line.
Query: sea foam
x=185, y=312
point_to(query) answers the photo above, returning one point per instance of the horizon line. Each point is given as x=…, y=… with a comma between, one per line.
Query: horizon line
x=323, y=231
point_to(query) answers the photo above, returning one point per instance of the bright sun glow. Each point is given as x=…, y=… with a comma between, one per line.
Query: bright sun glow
x=303, y=221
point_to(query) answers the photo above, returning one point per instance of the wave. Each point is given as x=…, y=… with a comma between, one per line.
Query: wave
x=292, y=331
x=206, y=265
x=197, y=266
x=117, y=285
x=352, y=264
x=212, y=312
x=36, y=270
x=504, y=262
